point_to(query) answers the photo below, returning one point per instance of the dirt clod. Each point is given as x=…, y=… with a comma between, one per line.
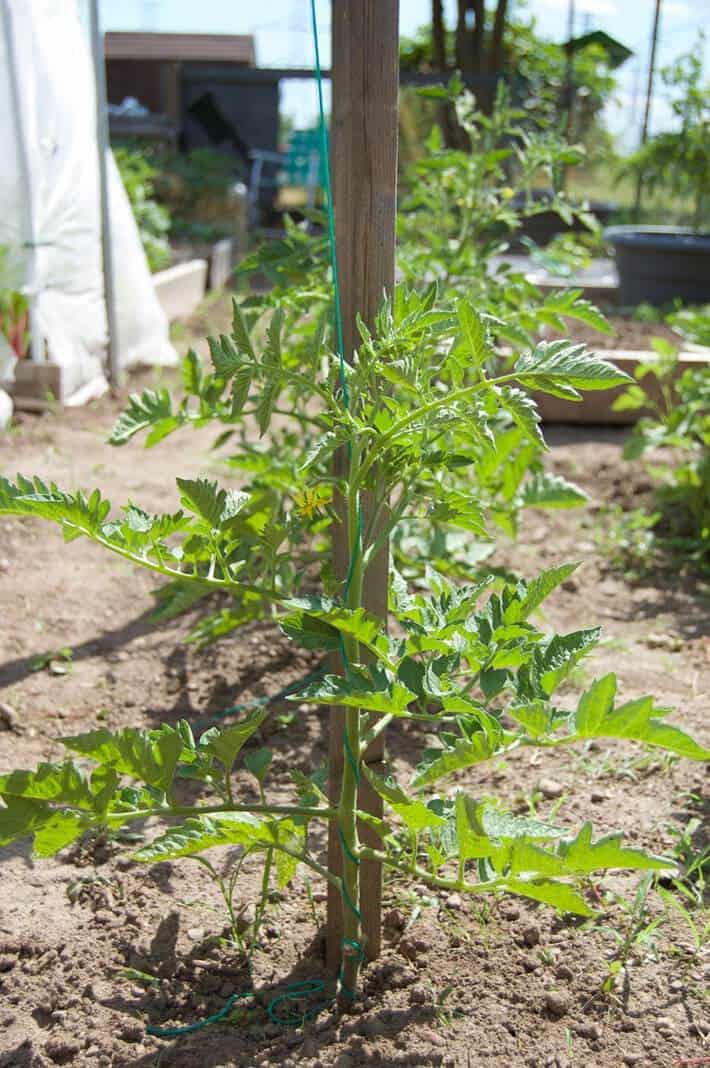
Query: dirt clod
x=531, y=935
x=9, y=720
x=550, y=788
x=556, y=1003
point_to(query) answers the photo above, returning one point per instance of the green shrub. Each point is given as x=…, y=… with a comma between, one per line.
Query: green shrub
x=680, y=423
x=138, y=175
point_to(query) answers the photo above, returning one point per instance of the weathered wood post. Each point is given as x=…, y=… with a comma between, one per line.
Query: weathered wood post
x=364, y=164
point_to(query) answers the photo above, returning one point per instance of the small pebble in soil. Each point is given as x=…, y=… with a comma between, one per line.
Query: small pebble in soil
x=597, y=796
x=131, y=1033
x=556, y=1003
x=563, y=972
x=195, y=934
x=9, y=720
x=395, y=919
x=550, y=788
x=454, y=901
x=633, y=1059
x=591, y=1031
x=62, y=1050
x=531, y=935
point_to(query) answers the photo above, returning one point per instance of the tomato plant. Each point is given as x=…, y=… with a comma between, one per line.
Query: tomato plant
x=463, y=658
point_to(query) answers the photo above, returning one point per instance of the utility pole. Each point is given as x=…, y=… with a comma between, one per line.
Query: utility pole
x=649, y=98
x=364, y=152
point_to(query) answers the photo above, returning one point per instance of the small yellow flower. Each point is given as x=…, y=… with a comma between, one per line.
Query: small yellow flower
x=309, y=502
x=507, y=192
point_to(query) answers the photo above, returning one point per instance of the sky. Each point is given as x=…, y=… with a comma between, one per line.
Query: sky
x=282, y=32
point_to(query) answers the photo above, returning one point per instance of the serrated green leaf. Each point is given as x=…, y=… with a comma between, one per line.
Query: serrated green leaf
x=266, y=404
x=503, y=825
x=192, y=373
x=75, y=513
x=290, y=834
x=596, y=717
x=560, y=363
x=148, y=756
x=558, y=894
x=594, y=706
x=176, y=597
x=49, y=782
x=413, y=813
x=57, y=832
x=202, y=497
x=318, y=621
x=540, y=588
x=225, y=358
x=463, y=754
x=258, y=762
x=523, y=411
x=240, y=390
x=555, y=658
x=205, y=832
x=309, y=631
x=272, y=352
x=581, y=855
x=143, y=410
x=534, y=717
x=571, y=304
x=370, y=688
x=240, y=331
x=473, y=331
x=225, y=743
x=20, y=817
x=545, y=490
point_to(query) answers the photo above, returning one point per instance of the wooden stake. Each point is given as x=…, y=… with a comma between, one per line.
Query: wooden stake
x=364, y=161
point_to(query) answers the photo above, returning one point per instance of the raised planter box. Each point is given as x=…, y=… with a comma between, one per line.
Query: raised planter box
x=220, y=256
x=181, y=288
x=36, y=386
x=659, y=264
x=597, y=407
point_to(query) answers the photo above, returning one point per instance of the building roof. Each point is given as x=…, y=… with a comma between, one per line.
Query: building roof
x=186, y=47
x=617, y=52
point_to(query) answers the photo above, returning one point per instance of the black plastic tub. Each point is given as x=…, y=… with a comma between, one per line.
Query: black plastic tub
x=660, y=264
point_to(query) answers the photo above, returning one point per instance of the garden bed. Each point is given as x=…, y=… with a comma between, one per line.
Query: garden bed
x=466, y=983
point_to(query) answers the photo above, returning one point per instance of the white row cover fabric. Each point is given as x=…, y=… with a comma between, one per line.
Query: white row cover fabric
x=58, y=212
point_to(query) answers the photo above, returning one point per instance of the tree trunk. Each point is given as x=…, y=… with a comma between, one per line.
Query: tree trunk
x=494, y=58
x=469, y=41
x=438, y=36
x=495, y=52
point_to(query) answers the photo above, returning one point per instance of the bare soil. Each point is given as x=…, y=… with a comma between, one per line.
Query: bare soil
x=627, y=333
x=460, y=984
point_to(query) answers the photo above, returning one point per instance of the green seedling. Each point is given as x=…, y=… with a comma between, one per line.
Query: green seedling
x=57, y=661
